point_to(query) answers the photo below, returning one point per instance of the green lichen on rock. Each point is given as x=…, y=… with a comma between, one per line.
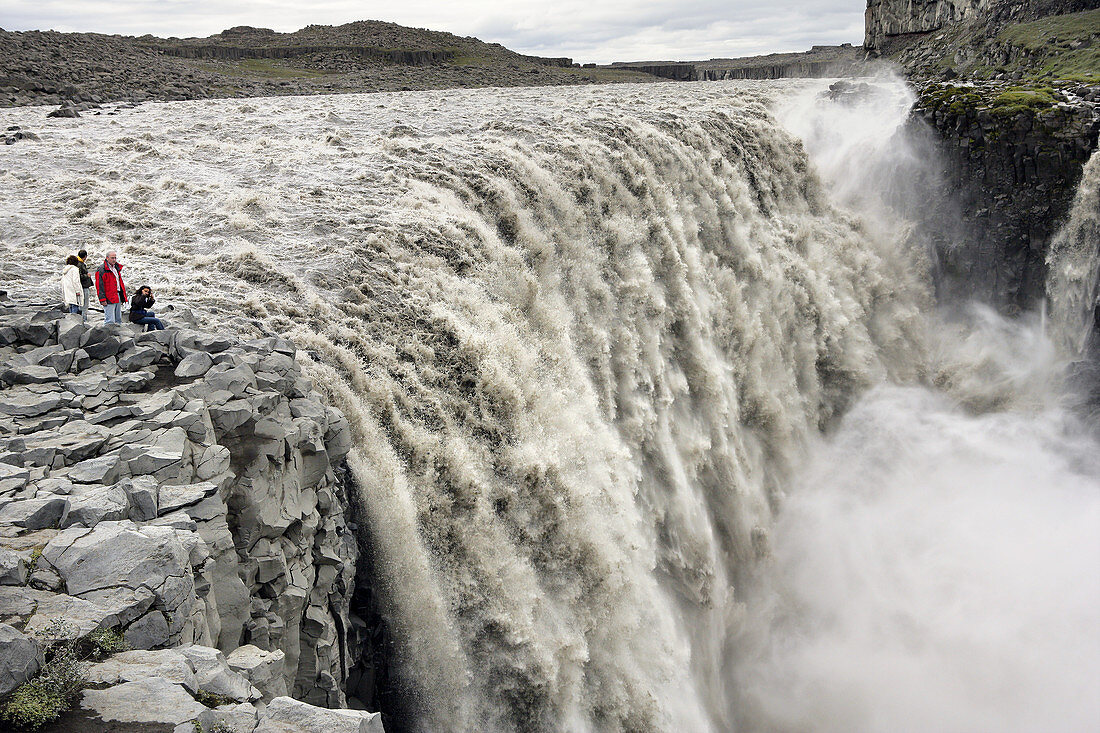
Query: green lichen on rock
x=1060, y=46
x=999, y=101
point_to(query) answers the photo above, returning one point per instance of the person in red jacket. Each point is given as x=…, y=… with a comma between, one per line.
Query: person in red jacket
x=111, y=289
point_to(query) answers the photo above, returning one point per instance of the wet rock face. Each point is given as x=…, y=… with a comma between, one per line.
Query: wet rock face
x=180, y=487
x=1011, y=167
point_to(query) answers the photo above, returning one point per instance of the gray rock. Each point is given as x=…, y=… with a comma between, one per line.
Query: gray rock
x=143, y=493
x=13, y=570
x=136, y=665
x=86, y=384
x=212, y=674
x=29, y=375
x=99, y=343
x=172, y=497
x=20, y=658
x=133, y=382
x=195, y=364
x=83, y=616
x=240, y=718
x=263, y=669
x=95, y=505
x=150, y=700
x=23, y=403
x=231, y=415
x=144, y=459
x=69, y=330
x=148, y=632
x=139, y=357
x=305, y=718
x=35, y=513
x=101, y=470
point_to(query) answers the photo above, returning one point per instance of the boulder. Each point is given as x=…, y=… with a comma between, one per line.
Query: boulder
x=35, y=513
x=195, y=364
x=20, y=658
x=13, y=570
x=213, y=675
x=262, y=668
x=29, y=375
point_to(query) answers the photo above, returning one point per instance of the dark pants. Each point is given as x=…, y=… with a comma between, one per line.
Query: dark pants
x=74, y=308
x=153, y=324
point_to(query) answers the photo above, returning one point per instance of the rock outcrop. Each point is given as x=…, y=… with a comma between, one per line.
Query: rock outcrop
x=184, y=489
x=1013, y=158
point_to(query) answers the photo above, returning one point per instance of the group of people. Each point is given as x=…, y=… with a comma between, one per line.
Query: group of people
x=76, y=287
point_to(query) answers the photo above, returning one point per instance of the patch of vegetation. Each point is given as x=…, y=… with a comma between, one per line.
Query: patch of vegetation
x=1003, y=102
x=1063, y=46
x=1055, y=30
x=103, y=643
x=217, y=727
x=213, y=700
x=36, y=553
x=55, y=687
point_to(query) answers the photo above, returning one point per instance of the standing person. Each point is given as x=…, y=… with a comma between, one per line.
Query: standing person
x=111, y=289
x=70, y=284
x=85, y=281
x=139, y=309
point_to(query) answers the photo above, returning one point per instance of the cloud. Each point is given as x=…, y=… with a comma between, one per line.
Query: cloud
x=615, y=30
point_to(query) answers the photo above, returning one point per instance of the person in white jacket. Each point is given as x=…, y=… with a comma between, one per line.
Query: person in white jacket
x=70, y=284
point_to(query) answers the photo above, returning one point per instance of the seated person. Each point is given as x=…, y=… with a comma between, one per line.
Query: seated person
x=139, y=309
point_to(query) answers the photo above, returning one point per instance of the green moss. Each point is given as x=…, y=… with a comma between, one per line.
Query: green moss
x=103, y=643
x=213, y=700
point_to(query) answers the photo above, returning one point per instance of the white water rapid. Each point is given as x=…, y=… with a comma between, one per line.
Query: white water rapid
x=657, y=427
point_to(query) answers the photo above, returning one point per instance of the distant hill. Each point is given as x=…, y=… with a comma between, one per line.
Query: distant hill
x=47, y=67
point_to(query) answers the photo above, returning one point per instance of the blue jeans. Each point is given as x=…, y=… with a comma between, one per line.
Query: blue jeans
x=154, y=324
x=74, y=308
x=112, y=312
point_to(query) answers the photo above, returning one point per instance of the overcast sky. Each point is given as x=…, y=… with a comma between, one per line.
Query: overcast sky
x=601, y=31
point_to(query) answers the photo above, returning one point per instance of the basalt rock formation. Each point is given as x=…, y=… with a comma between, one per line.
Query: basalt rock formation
x=1013, y=159
x=185, y=489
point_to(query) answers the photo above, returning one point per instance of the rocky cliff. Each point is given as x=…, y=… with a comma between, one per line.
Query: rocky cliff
x=1012, y=158
x=986, y=38
x=185, y=489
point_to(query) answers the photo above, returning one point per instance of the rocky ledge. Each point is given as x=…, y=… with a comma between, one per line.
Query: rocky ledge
x=1012, y=159
x=184, y=490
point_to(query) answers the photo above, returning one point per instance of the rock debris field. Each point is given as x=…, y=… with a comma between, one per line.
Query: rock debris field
x=180, y=488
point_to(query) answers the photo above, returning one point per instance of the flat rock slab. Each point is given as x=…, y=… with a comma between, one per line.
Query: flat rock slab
x=28, y=404
x=30, y=375
x=174, y=497
x=134, y=666
x=290, y=715
x=151, y=700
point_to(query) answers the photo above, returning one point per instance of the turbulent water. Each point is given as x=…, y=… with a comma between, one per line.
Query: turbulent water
x=657, y=427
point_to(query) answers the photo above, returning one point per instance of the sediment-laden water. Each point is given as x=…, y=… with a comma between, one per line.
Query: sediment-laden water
x=657, y=425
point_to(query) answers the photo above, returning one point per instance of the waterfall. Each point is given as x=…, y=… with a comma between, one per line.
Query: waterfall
x=1073, y=285
x=589, y=342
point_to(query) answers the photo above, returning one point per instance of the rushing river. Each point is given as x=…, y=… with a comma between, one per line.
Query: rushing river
x=658, y=426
